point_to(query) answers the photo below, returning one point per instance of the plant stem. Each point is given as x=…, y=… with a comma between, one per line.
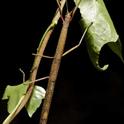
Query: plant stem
x=43, y=44
x=37, y=60
x=32, y=78
x=54, y=70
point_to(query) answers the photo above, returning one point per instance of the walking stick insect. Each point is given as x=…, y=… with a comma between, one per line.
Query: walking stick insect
x=54, y=68
x=56, y=64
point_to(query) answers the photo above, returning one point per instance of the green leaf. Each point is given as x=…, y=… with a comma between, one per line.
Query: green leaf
x=101, y=32
x=35, y=100
x=14, y=94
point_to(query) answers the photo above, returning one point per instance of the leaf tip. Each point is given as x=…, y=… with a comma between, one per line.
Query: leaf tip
x=102, y=68
x=36, y=99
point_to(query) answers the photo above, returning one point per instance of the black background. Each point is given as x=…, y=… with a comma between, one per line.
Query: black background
x=82, y=94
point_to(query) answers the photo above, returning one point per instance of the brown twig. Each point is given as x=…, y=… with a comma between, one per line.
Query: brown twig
x=55, y=66
x=54, y=69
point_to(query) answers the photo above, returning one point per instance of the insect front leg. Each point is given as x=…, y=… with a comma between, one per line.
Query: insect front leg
x=75, y=47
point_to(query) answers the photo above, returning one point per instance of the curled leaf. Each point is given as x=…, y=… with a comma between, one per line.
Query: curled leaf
x=101, y=32
x=35, y=100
